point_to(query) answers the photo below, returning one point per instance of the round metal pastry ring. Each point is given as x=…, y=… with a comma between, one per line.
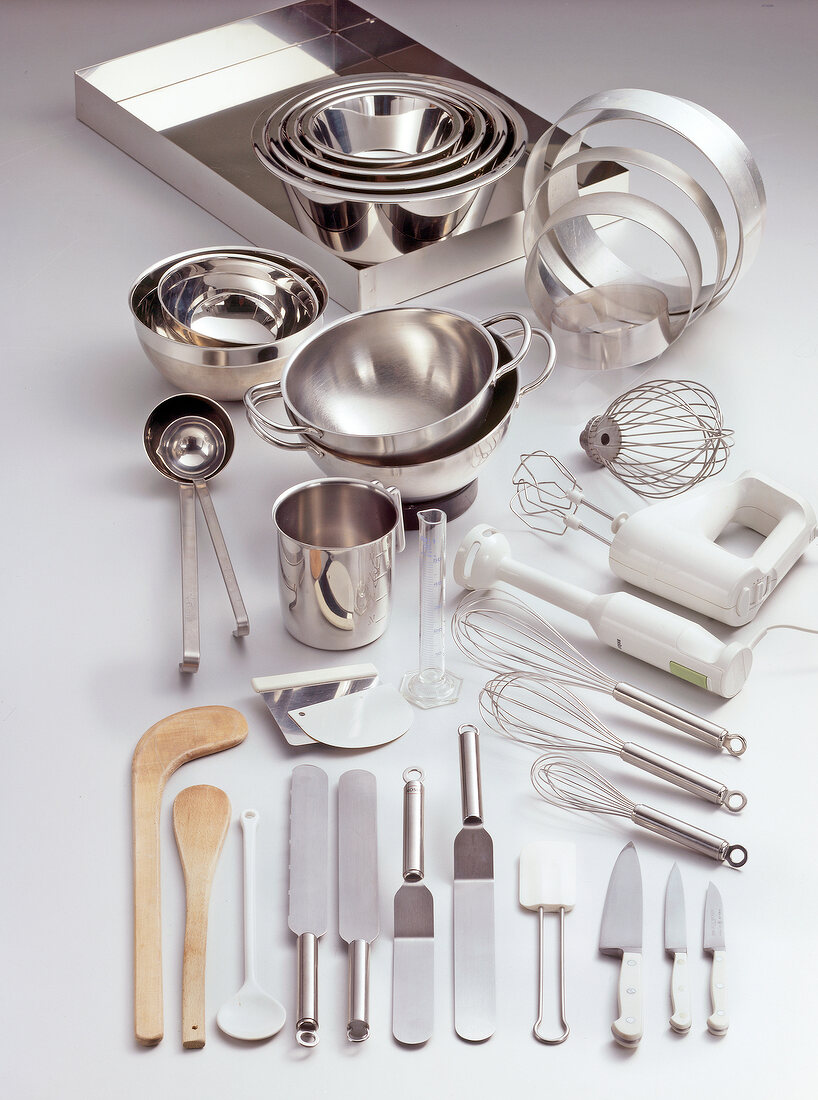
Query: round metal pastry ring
x=547, y=271
x=540, y=209
x=704, y=131
x=509, y=125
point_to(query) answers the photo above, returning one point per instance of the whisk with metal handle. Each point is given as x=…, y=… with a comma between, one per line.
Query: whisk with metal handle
x=572, y=785
x=499, y=632
x=526, y=708
x=660, y=438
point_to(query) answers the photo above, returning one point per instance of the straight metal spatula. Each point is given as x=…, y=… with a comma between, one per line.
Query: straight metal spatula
x=413, y=966
x=309, y=878
x=473, y=903
x=621, y=934
x=358, y=889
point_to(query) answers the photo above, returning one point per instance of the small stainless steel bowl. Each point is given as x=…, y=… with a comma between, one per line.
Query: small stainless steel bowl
x=217, y=300
x=222, y=373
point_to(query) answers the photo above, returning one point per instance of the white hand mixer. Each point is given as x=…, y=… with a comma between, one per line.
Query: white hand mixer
x=671, y=548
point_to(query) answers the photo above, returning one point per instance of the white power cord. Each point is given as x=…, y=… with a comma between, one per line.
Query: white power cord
x=782, y=626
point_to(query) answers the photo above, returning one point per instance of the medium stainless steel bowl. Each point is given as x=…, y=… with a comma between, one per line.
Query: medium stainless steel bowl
x=217, y=300
x=407, y=381
x=222, y=373
x=448, y=473
x=379, y=223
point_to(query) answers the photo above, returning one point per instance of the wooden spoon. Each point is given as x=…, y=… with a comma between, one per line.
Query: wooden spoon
x=165, y=747
x=201, y=817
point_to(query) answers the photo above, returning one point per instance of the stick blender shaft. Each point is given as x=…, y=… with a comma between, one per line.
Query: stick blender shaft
x=431, y=685
x=624, y=622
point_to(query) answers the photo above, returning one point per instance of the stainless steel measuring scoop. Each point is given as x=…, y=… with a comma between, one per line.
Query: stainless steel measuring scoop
x=189, y=439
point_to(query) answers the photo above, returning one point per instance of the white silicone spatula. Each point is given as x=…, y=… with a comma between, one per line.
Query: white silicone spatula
x=251, y=1013
x=548, y=884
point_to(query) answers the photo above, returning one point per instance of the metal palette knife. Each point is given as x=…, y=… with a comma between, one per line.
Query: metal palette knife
x=309, y=877
x=473, y=904
x=621, y=934
x=413, y=968
x=358, y=921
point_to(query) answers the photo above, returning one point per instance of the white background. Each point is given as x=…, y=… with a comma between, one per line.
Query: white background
x=91, y=607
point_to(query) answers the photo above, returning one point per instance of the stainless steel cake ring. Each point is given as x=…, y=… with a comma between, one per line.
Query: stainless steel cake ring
x=550, y=281
x=508, y=126
x=604, y=266
x=473, y=123
x=500, y=141
x=703, y=130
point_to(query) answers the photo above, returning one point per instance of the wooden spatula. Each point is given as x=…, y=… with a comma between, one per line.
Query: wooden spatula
x=164, y=748
x=201, y=817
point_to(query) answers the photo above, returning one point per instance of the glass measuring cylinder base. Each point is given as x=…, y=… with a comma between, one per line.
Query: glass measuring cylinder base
x=431, y=688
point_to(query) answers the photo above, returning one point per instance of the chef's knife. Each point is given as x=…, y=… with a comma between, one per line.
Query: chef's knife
x=309, y=877
x=676, y=947
x=413, y=960
x=718, y=1021
x=473, y=903
x=358, y=889
x=621, y=933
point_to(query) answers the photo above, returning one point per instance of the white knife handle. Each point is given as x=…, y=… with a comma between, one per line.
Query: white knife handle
x=718, y=1021
x=627, y=1029
x=306, y=1020
x=358, y=1020
x=680, y=993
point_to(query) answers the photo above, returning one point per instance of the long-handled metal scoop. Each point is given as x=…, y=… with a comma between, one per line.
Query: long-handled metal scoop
x=189, y=439
x=548, y=884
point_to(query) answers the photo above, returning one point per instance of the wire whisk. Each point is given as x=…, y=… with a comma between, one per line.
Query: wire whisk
x=660, y=438
x=534, y=711
x=569, y=784
x=497, y=631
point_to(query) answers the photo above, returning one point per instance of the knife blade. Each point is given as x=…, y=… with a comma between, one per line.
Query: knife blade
x=713, y=940
x=358, y=889
x=309, y=878
x=621, y=933
x=676, y=947
x=413, y=960
x=473, y=904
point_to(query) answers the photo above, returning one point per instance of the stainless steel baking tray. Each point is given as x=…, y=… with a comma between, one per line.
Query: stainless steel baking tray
x=185, y=110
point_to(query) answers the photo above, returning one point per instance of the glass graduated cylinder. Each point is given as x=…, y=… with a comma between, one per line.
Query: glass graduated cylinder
x=431, y=685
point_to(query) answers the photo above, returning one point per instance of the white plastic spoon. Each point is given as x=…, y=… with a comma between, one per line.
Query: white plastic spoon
x=251, y=1013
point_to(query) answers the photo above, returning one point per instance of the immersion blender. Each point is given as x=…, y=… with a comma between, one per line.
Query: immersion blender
x=620, y=620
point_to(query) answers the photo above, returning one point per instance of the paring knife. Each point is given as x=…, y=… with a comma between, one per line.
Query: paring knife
x=718, y=1021
x=621, y=933
x=413, y=965
x=358, y=889
x=676, y=947
x=309, y=876
x=473, y=903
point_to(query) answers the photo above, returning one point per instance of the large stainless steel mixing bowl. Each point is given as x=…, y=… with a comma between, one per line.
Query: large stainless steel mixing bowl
x=448, y=473
x=407, y=381
x=222, y=373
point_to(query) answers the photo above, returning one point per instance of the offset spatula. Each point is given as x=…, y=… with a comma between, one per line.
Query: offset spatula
x=413, y=966
x=621, y=934
x=309, y=878
x=473, y=903
x=358, y=889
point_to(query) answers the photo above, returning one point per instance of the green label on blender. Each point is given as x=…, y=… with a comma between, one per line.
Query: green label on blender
x=697, y=678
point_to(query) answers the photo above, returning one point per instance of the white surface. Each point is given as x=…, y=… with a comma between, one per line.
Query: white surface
x=92, y=623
